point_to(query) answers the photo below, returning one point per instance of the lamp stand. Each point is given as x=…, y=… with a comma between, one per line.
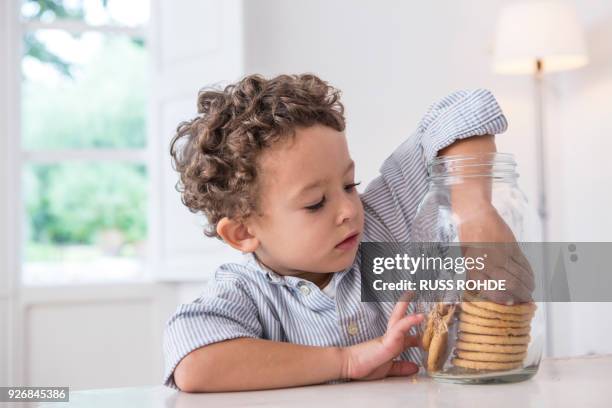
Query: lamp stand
x=541, y=150
x=542, y=196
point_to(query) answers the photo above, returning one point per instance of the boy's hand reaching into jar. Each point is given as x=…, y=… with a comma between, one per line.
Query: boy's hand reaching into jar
x=504, y=258
x=479, y=222
x=374, y=359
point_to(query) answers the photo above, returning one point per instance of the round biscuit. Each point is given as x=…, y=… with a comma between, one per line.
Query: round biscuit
x=483, y=321
x=491, y=348
x=485, y=365
x=472, y=309
x=492, y=357
x=489, y=339
x=495, y=331
x=520, y=308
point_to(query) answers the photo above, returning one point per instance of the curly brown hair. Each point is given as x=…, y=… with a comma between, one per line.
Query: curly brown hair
x=216, y=153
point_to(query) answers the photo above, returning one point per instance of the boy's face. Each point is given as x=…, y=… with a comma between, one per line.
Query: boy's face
x=308, y=204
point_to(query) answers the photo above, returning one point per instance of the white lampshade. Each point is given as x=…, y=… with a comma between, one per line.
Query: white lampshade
x=544, y=30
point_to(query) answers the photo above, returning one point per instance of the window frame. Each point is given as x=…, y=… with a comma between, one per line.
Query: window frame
x=21, y=157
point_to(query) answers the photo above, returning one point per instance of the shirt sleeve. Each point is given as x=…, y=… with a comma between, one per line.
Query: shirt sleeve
x=391, y=199
x=224, y=311
x=457, y=116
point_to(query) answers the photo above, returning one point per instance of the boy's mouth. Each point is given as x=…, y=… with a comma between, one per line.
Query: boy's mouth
x=349, y=241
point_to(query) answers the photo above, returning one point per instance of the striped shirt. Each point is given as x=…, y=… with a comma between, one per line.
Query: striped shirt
x=248, y=300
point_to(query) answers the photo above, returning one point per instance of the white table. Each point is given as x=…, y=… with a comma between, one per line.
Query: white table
x=571, y=382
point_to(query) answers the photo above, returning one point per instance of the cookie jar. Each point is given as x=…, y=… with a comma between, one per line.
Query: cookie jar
x=473, y=333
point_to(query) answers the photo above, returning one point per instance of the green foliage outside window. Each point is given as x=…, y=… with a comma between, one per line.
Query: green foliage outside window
x=101, y=104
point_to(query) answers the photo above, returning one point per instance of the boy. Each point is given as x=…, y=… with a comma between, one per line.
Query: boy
x=266, y=161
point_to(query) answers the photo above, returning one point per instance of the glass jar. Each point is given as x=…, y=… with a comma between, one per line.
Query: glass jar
x=474, y=206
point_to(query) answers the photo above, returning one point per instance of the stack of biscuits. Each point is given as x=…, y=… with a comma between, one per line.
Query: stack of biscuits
x=492, y=336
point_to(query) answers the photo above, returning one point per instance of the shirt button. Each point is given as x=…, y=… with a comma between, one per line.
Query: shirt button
x=353, y=329
x=304, y=288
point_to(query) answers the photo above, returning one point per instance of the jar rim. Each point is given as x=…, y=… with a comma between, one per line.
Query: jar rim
x=492, y=164
x=496, y=156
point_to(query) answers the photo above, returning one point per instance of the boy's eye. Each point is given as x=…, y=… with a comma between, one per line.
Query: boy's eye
x=316, y=206
x=350, y=187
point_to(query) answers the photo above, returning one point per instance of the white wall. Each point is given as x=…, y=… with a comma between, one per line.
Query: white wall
x=392, y=59
x=585, y=130
x=583, y=193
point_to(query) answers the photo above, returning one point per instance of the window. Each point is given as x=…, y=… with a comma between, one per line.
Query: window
x=84, y=147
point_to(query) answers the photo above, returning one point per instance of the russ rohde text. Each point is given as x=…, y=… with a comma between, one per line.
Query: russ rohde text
x=441, y=284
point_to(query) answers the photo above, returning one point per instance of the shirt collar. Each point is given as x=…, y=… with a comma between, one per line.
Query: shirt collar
x=272, y=276
x=276, y=278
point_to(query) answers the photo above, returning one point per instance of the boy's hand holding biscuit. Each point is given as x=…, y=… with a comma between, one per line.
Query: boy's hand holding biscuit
x=375, y=359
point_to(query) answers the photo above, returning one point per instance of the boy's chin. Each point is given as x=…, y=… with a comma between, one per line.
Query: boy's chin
x=334, y=263
x=344, y=261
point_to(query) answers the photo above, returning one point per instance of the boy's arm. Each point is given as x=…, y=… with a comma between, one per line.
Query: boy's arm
x=251, y=364
x=471, y=199
x=473, y=195
x=479, y=221
x=255, y=364
x=391, y=199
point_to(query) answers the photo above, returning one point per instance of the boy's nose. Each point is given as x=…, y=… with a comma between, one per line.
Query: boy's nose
x=347, y=211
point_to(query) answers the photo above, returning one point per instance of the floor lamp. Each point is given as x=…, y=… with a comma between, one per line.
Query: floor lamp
x=535, y=38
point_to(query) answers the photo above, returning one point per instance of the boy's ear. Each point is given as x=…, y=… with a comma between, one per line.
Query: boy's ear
x=237, y=235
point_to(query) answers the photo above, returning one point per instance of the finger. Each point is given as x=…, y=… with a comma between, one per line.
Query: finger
x=514, y=285
x=526, y=281
x=523, y=280
x=504, y=297
x=402, y=368
x=525, y=273
x=412, y=341
x=497, y=296
x=401, y=328
x=513, y=260
x=519, y=257
x=480, y=274
x=399, y=311
x=407, y=296
x=515, y=292
x=507, y=265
